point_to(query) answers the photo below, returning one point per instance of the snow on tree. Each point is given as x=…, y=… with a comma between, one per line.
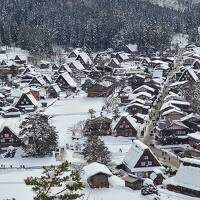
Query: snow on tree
x=149, y=187
x=191, y=92
x=41, y=137
x=77, y=129
x=56, y=183
x=96, y=151
x=111, y=103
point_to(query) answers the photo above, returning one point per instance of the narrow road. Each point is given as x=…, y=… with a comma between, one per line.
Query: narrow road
x=149, y=139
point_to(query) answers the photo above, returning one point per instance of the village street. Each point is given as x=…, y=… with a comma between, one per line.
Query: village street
x=167, y=159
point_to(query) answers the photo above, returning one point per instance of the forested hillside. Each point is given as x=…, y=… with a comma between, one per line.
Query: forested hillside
x=37, y=25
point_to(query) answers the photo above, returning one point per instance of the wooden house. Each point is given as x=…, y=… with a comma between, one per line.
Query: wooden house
x=55, y=75
x=144, y=88
x=189, y=74
x=186, y=181
x=196, y=65
x=102, y=89
x=97, y=175
x=194, y=140
x=53, y=91
x=55, y=67
x=135, y=108
x=66, y=82
x=85, y=60
x=10, y=111
x=9, y=138
x=20, y=59
x=172, y=132
x=64, y=68
x=131, y=48
x=77, y=69
x=122, y=56
x=133, y=182
x=44, y=64
x=173, y=114
x=37, y=81
x=140, y=160
x=157, y=177
x=136, y=81
x=47, y=79
x=114, y=63
x=75, y=53
x=125, y=126
x=99, y=126
x=192, y=121
x=27, y=102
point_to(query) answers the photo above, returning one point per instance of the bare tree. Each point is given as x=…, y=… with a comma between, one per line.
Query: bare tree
x=77, y=129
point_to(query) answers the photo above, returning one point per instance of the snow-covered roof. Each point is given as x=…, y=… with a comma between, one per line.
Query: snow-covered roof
x=146, y=87
x=173, y=103
x=32, y=99
x=56, y=87
x=66, y=67
x=157, y=73
x=7, y=108
x=86, y=58
x=149, y=95
x=123, y=55
x=195, y=136
x=134, y=154
x=130, y=119
x=40, y=80
x=68, y=79
x=188, y=174
x=177, y=83
x=115, y=60
x=138, y=105
x=171, y=111
x=78, y=65
x=96, y=168
x=141, y=101
x=191, y=115
x=193, y=74
x=132, y=47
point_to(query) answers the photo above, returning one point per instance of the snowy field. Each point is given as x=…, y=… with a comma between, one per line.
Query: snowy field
x=67, y=112
x=12, y=185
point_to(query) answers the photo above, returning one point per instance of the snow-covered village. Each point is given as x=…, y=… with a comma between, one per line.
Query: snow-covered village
x=100, y=100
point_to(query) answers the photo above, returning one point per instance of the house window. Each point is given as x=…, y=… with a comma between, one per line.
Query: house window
x=121, y=126
x=143, y=164
x=6, y=135
x=149, y=163
x=126, y=126
x=146, y=157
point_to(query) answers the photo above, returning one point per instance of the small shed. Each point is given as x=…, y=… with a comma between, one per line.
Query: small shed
x=157, y=177
x=133, y=182
x=97, y=175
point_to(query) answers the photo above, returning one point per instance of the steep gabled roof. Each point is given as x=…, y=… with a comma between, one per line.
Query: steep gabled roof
x=134, y=154
x=188, y=174
x=68, y=79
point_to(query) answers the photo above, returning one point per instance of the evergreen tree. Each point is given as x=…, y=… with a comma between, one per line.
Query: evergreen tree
x=42, y=137
x=96, y=151
x=56, y=183
x=149, y=188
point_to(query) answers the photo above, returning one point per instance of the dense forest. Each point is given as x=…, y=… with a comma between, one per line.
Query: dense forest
x=37, y=25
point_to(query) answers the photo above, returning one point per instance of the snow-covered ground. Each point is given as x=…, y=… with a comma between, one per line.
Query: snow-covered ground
x=68, y=111
x=12, y=186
